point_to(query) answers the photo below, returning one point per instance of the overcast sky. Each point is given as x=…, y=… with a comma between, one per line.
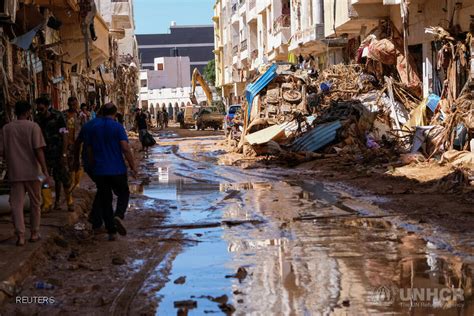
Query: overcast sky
x=155, y=16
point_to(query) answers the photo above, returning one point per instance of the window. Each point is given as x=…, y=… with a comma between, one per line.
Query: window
x=143, y=83
x=159, y=67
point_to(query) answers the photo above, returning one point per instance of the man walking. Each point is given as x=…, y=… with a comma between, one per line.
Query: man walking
x=81, y=154
x=22, y=147
x=141, y=121
x=53, y=126
x=73, y=124
x=107, y=145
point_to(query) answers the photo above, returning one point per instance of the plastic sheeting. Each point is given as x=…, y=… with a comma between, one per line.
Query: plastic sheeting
x=254, y=89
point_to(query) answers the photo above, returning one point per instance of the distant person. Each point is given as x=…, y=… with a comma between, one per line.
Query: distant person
x=160, y=120
x=84, y=115
x=23, y=148
x=180, y=118
x=141, y=121
x=165, y=118
x=73, y=124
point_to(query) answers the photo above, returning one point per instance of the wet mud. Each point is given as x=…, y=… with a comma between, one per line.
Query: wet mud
x=209, y=238
x=307, y=248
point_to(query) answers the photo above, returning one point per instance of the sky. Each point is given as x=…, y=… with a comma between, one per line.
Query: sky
x=155, y=16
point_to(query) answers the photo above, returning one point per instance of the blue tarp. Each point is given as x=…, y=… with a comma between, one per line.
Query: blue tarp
x=253, y=89
x=317, y=138
x=24, y=41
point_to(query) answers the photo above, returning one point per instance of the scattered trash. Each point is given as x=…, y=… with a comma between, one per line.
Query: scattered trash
x=117, y=260
x=8, y=288
x=180, y=280
x=43, y=286
x=241, y=274
x=80, y=226
x=186, y=304
x=228, y=309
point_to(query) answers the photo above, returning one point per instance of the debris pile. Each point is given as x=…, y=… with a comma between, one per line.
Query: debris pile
x=356, y=110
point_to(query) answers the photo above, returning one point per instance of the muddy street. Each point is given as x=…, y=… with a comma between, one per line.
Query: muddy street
x=206, y=237
x=289, y=244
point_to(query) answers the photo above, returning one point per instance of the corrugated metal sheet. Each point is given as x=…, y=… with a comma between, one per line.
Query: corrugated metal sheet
x=317, y=138
x=253, y=89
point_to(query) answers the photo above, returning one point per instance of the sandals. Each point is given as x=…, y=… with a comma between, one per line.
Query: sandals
x=20, y=242
x=34, y=239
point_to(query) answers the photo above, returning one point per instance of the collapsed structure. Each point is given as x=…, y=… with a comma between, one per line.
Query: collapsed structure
x=371, y=106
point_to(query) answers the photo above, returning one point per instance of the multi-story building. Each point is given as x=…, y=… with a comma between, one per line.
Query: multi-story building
x=259, y=31
x=355, y=18
x=118, y=16
x=78, y=52
x=251, y=32
x=168, y=85
x=194, y=41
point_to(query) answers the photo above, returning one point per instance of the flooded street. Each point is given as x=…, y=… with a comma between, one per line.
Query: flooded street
x=277, y=241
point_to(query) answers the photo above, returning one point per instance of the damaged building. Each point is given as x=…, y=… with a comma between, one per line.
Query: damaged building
x=63, y=48
x=377, y=78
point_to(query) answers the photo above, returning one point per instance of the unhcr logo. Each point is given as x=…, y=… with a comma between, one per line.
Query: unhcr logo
x=383, y=295
x=417, y=297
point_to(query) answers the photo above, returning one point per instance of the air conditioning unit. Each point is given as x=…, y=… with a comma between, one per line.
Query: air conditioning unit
x=8, y=10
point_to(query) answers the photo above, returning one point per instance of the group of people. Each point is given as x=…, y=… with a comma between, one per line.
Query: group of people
x=143, y=121
x=45, y=148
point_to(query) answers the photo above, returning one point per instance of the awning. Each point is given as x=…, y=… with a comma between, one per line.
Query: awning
x=74, y=46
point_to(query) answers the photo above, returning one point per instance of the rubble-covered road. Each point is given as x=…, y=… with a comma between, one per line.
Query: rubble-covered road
x=210, y=238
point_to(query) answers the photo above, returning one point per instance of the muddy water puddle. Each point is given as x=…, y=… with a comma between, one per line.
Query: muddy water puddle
x=335, y=259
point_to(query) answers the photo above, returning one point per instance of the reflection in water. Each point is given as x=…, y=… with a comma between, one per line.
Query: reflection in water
x=328, y=266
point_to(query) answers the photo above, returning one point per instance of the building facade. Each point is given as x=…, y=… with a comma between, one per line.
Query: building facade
x=193, y=41
x=66, y=48
x=249, y=33
x=258, y=32
x=168, y=84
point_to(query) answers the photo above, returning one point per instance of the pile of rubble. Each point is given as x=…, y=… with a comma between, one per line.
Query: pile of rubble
x=373, y=106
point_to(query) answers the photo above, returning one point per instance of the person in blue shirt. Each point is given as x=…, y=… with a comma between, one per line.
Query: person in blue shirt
x=107, y=145
x=81, y=156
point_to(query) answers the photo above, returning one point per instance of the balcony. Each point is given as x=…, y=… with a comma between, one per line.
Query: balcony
x=122, y=15
x=227, y=75
x=244, y=53
x=281, y=23
x=243, y=45
x=309, y=37
x=252, y=4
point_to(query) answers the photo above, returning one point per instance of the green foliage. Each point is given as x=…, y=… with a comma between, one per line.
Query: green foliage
x=210, y=72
